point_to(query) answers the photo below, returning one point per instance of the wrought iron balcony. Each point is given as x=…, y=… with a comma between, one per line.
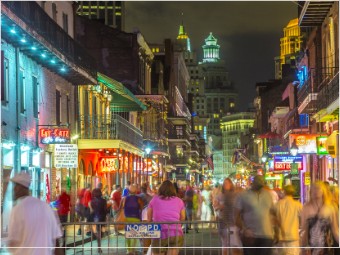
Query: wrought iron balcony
x=179, y=161
x=308, y=91
x=329, y=93
x=110, y=127
x=313, y=13
x=42, y=32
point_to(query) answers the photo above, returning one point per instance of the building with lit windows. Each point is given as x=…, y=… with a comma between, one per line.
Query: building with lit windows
x=220, y=96
x=233, y=127
x=290, y=45
x=110, y=13
x=40, y=74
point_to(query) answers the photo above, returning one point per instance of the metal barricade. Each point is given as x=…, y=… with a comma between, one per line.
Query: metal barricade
x=201, y=238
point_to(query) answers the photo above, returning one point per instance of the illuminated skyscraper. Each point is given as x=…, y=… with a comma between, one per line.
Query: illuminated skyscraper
x=289, y=46
x=111, y=13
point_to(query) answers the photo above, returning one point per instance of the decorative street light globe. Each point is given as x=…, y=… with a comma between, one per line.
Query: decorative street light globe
x=264, y=157
x=294, y=148
x=147, y=150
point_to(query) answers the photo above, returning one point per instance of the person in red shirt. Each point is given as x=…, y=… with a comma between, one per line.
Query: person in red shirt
x=116, y=197
x=64, y=201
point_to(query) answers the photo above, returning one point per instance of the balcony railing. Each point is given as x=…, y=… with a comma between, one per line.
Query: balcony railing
x=110, y=127
x=179, y=161
x=308, y=91
x=329, y=93
x=42, y=24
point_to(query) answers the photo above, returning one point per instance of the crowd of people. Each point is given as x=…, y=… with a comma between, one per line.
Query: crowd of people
x=255, y=218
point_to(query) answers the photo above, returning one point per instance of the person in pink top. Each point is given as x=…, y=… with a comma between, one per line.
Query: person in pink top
x=167, y=207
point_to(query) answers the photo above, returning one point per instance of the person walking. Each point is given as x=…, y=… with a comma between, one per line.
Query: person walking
x=132, y=206
x=254, y=212
x=319, y=223
x=167, y=207
x=116, y=197
x=228, y=231
x=146, y=198
x=33, y=226
x=98, y=210
x=206, y=204
x=188, y=201
x=288, y=213
x=86, y=199
x=79, y=208
x=126, y=189
x=64, y=204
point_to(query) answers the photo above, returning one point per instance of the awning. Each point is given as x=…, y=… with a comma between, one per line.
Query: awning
x=123, y=100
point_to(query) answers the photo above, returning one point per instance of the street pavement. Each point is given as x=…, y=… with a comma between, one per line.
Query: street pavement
x=206, y=242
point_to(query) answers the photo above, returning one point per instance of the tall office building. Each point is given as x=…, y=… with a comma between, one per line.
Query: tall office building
x=289, y=46
x=111, y=13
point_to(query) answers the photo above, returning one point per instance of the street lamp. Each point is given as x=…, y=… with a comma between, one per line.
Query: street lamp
x=294, y=148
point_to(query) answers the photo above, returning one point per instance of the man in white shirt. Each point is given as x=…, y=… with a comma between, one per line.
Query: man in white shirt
x=288, y=213
x=33, y=226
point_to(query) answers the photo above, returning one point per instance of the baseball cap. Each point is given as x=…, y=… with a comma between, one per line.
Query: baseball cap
x=22, y=178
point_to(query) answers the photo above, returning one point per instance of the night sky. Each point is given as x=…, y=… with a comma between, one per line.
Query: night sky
x=248, y=32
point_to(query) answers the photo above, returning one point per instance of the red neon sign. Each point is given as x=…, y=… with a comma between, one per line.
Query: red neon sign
x=54, y=135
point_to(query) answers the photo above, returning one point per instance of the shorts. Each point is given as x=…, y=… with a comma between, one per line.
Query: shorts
x=235, y=240
x=162, y=245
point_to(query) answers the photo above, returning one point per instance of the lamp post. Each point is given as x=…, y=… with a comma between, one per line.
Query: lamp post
x=147, y=150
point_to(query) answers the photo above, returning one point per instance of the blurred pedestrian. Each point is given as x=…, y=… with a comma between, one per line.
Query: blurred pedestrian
x=288, y=216
x=216, y=191
x=126, y=189
x=228, y=231
x=116, y=197
x=319, y=221
x=188, y=201
x=146, y=198
x=79, y=208
x=167, y=207
x=64, y=205
x=254, y=211
x=206, y=204
x=98, y=210
x=132, y=205
x=86, y=199
x=105, y=192
x=33, y=226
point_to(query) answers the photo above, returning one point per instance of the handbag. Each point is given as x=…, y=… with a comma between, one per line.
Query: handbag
x=120, y=217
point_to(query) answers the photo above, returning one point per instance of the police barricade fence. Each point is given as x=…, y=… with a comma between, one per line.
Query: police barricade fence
x=199, y=237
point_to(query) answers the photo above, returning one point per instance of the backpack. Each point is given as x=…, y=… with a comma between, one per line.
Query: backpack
x=131, y=207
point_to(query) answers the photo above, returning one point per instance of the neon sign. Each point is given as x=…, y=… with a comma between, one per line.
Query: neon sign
x=284, y=163
x=109, y=164
x=321, y=145
x=54, y=135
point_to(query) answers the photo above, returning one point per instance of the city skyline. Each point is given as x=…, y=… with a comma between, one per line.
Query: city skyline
x=240, y=27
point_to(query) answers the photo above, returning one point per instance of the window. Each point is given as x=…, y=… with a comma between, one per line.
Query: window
x=35, y=97
x=54, y=12
x=4, y=79
x=65, y=22
x=57, y=107
x=179, y=130
x=22, y=91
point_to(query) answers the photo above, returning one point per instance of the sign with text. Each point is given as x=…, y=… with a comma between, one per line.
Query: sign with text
x=54, y=135
x=109, y=164
x=143, y=231
x=66, y=156
x=283, y=163
x=305, y=143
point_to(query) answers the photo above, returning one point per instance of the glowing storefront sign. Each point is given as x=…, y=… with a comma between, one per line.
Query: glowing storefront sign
x=305, y=143
x=54, y=135
x=321, y=145
x=109, y=164
x=283, y=163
